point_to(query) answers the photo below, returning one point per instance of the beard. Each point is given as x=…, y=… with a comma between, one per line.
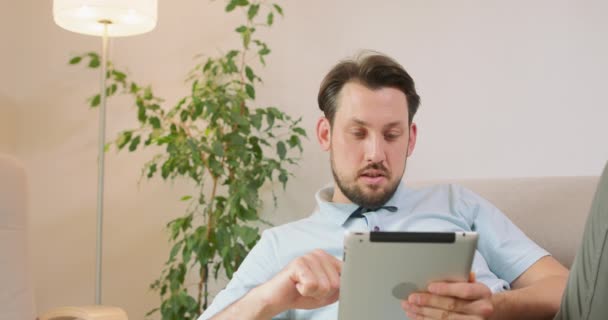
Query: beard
x=375, y=196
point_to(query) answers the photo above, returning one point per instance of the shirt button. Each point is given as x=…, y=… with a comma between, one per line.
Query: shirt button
x=376, y=228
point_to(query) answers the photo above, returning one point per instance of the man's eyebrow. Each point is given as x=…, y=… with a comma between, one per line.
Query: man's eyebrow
x=359, y=122
x=393, y=124
x=388, y=125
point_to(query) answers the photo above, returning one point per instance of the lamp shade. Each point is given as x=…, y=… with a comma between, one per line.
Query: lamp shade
x=123, y=17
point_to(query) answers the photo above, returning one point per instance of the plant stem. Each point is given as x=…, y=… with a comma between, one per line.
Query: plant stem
x=202, y=285
x=210, y=224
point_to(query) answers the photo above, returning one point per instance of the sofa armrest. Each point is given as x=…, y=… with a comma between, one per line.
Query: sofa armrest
x=85, y=313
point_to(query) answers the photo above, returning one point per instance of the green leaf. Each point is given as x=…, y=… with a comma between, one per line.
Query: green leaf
x=218, y=148
x=249, y=73
x=177, y=246
x=141, y=113
x=183, y=115
x=94, y=63
x=152, y=170
x=134, y=88
x=248, y=234
x=151, y=312
x=96, y=100
x=250, y=91
x=278, y=8
x=270, y=19
x=270, y=120
x=119, y=76
x=123, y=139
x=198, y=109
x=185, y=198
x=294, y=141
x=253, y=11
x=300, y=131
x=283, y=178
x=257, y=151
x=134, y=143
x=281, y=150
x=247, y=37
x=111, y=89
x=234, y=3
x=231, y=5
x=241, y=29
x=75, y=60
x=256, y=120
x=148, y=93
x=155, y=122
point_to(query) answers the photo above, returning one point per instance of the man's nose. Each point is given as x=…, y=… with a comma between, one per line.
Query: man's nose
x=374, y=149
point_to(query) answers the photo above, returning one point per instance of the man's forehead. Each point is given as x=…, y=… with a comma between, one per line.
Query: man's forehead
x=385, y=106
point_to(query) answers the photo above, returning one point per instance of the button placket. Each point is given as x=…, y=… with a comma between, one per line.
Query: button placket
x=373, y=221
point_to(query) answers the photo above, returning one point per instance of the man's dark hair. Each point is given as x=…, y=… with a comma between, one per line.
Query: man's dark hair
x=373, y=70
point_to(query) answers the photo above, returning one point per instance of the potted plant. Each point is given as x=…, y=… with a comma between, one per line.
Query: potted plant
x=215, y=138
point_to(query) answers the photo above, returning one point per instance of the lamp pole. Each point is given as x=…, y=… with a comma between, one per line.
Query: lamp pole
x=105, y=18
x=101, y=160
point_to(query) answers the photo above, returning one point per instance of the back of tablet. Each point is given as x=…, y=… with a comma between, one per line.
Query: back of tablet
x=382, y=268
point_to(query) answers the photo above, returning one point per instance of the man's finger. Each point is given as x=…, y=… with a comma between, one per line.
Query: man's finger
x=302, y=276
x=451, y=305
x=422, y=313
x=439, y=302
x=462, y=290
x=333, y=260
x=320, y=286
x=332, y=272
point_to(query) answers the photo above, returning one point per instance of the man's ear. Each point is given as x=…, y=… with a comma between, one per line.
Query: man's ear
x=412, y=141
x=324, y=133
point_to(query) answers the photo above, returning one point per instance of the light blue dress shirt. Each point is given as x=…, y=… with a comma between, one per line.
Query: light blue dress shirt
x=503, y=252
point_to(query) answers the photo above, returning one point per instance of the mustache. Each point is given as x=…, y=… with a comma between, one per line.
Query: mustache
x=375, y=166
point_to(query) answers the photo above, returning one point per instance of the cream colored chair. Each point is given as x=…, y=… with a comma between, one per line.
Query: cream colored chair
x=16, y=291
x=85, y=313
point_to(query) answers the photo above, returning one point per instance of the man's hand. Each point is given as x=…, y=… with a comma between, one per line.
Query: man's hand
x=308, y=282
x=450, y=301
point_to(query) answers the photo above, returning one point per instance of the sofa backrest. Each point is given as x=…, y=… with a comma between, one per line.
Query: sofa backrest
x=551, y=210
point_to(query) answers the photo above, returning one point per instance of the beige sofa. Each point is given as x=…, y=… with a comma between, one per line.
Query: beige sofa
x=551, y=211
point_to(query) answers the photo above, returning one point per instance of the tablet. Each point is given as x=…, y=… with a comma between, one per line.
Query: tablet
x=382, y=268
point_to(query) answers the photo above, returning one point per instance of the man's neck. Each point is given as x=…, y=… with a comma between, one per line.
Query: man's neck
x=339, y=197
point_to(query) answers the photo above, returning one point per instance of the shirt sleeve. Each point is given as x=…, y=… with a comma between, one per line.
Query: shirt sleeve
x=260, y=265
x=507, y=250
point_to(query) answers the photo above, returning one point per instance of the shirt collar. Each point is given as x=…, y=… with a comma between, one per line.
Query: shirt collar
x=338, y=213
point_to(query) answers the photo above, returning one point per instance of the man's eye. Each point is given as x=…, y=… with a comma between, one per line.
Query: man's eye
x=391, y=136
x=359, y=133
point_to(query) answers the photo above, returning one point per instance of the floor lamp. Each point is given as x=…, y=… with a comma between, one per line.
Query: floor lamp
x=105, y=18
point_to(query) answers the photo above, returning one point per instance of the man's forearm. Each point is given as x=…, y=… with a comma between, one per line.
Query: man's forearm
x=538, y=301
x=252, y=306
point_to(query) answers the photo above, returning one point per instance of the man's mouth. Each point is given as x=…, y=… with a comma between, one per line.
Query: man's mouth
x=373, y=173
x=373, y=176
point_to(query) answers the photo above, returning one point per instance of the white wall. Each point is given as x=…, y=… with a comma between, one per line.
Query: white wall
x=509, y=89
x=7, y=127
